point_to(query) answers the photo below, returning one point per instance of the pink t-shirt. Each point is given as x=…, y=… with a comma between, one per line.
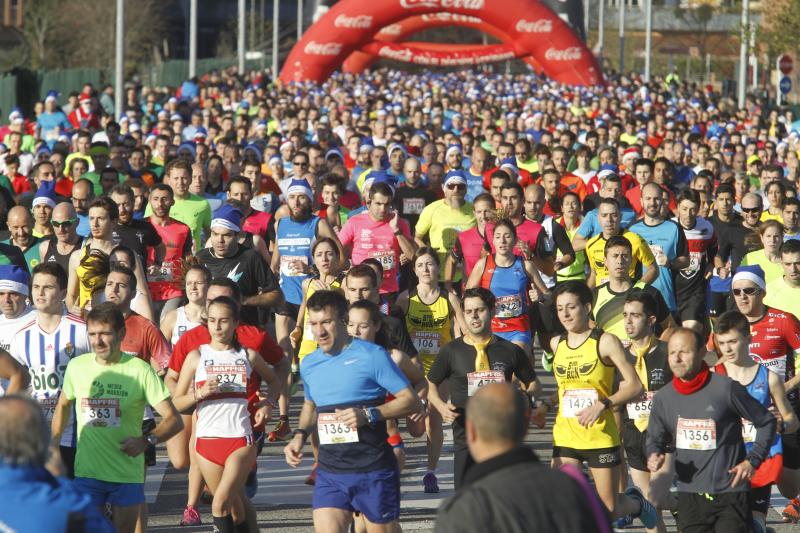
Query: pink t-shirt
x=375, y=239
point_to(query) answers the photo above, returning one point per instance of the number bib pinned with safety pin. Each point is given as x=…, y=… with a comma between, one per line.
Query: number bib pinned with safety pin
x=332, y=430
x=101, y=412
x=696, y=434
x=576, y=400
x=476, y=380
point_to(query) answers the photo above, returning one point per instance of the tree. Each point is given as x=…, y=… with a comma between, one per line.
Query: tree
x=698, y=19
x=41, y=19
x=779, y=26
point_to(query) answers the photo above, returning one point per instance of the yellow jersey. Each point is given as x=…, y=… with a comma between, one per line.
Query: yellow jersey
x=583, y=378
x=596, y=256
x=308, y=344
x=429, y=326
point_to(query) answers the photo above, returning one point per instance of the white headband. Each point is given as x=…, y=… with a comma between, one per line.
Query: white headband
x=15, y=286
x=226, y=224
x=749, y=276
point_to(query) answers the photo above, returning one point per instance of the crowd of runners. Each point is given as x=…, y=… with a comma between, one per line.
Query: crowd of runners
x=412, y=251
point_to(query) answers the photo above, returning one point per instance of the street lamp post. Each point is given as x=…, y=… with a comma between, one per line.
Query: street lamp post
x=743, y=52
x=240, y=37
x=648, y=38
x=622, y=36
x=119, y=60
x=275, y=19
x=192, y=38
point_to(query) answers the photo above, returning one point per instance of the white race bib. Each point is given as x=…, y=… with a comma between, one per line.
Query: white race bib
x=508, y=306
x=48, y=407
x=101, y=412
x=748, y=431
x=476, y=380
x=641, y=409
x=426, y=342
x=413, y=206
x=386, y=258
x=333, y=431
x=231, y=378
x=165, y=273
x=576, y=400
x=695, y=434
x=658, y=253
x=288, y=267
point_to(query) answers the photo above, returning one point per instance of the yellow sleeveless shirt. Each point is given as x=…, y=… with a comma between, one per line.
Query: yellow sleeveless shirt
x=308, y=344
x=583, y=378
x=429, y=326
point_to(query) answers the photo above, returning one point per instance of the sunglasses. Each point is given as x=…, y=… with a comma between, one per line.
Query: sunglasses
x=751, y=209
x=300, y=163
x=750, y=291
x=65, y=224
x=456, y=186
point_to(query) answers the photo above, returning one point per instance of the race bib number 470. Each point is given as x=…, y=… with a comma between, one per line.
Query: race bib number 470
x=696, y=434
x=332, y=430
x=576, y=400
x=101, y=412
x=476, y=380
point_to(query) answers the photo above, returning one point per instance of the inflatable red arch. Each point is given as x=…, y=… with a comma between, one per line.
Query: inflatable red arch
x=361, y=60
x=527, y=28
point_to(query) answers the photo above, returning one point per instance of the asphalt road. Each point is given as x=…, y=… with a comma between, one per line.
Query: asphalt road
x=283, y=501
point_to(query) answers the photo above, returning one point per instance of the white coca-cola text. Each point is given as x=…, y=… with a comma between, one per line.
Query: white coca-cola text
x=403, y=54
x=357, y=21
x=463, y=4
x=567, y=54
x=535, y=26
x=323, y=49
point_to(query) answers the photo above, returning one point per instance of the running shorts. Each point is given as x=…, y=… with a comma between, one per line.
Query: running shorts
x=103, y=492
x=217, y=450
x=597, y=458
x=375, y=494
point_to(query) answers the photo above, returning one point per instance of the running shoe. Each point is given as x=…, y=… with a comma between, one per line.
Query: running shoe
x=431, y=483
x=281, y=431
x=791, y=514
x=623, y=522
x=647, y=514
x=191, y=516
x=312, y=477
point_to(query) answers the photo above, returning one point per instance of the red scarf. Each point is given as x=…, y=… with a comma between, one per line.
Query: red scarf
x=694, y=384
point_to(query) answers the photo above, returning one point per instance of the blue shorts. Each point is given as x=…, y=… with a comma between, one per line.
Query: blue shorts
x=102, y=492
x=515, y=336
x=374, y=494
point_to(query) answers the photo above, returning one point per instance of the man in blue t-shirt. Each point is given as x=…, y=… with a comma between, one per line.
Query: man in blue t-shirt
x=666, y=239
x=346, y=382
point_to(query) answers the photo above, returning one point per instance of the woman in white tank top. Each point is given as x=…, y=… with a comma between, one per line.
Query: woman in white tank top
x=215, y=378
x=180, y=320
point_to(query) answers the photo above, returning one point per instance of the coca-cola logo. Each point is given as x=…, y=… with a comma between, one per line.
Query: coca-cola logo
x=392, y=29
x=448, y=17
x=572, y=53
x=535, y=26
x=359, y=21
x=402, y=54
x=323, y=49
x=444, y=4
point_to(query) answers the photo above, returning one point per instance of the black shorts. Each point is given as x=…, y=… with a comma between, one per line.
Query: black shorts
x=728, y=512
x=791, y=450
x=287, y=309
x=760, y=498
x=634, y=441
x=597, y=458
x=68, y=458
x=692, y=307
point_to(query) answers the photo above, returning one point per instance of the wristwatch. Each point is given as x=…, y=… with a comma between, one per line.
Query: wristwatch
x=151, y=439
x=606, y=403
x=373, y=415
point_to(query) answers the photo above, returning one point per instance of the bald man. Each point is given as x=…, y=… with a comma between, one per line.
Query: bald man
x=508, y=489
x=20, y=225
x=66, y=239
x=82, y=196
x=477, y=167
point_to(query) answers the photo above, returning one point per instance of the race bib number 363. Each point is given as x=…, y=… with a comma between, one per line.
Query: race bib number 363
x=476, y=380
x=576, y=400
x=333, y=431
x=696, y=434
x=101, y=412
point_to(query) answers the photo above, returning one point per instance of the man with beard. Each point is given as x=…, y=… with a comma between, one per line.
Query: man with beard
x=292, y=261
x=138, y=235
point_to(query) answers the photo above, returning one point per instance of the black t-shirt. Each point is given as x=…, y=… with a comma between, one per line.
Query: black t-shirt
x=733, y=240
x=138, y=235
x=456, y=359
x=394, y=335
x=410, y=201
x=248, y=269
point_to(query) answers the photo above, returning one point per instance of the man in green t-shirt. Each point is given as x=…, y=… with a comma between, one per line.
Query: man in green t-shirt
x=108, y=391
